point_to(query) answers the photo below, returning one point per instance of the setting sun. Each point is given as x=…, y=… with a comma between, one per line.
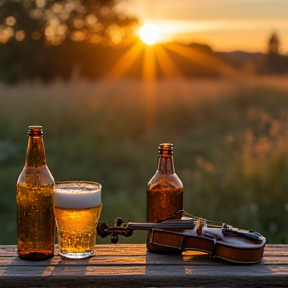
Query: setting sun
x=149, y=34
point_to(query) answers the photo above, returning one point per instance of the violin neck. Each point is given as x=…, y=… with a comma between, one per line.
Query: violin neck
x=180, y=224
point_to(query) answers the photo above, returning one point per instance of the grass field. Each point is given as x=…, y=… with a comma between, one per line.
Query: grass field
x=230, y=138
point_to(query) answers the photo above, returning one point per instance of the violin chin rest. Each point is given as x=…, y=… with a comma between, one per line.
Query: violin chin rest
x=250, y=234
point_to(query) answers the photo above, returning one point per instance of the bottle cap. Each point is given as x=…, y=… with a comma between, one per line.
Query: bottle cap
x=35, y=130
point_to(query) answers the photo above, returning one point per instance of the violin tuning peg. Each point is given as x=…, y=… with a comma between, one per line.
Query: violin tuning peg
x=114, y=238
x=118, y=221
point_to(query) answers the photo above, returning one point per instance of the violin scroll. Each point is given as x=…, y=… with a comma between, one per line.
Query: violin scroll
x=103, y=230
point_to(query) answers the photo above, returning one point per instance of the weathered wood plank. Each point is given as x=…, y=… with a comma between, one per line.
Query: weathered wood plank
x=131, y=280
x=136, y=269
x=131, y=265
x=122, y=255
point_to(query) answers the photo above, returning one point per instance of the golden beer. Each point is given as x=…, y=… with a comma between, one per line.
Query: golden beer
x=77, y=209
x=36, y=223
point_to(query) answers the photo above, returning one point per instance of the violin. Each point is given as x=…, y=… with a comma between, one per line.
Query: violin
x=183, y=231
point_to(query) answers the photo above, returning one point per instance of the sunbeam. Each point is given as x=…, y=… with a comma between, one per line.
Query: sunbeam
x=126, y=61
x=204, y=59
x=167, y=65
x=149, y=64
x=149, y=85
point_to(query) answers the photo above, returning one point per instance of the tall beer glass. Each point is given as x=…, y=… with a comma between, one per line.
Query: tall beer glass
x=77, y=209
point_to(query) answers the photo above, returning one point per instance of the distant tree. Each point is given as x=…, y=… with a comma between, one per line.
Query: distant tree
x=273, y=62
x=273, y=44
x=56, y=21
x=46, y=38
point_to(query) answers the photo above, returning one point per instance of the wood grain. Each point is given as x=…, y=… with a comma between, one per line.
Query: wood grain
x=130, y=265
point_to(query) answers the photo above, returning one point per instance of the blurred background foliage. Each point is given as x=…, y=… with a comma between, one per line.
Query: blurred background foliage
x=45, y=39
x=230, y=138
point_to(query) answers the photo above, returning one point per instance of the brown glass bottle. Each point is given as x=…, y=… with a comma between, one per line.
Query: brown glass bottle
x=164, y=193
x=35, y=186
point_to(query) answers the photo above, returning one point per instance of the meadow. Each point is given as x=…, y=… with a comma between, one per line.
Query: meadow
x=230, y=141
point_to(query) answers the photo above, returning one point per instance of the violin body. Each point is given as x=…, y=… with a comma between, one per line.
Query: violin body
x=193, y=233
x=231, y=248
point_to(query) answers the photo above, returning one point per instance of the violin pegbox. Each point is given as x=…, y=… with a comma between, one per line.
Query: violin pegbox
x=103, y=230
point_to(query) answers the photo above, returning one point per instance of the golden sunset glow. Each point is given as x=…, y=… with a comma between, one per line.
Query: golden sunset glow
x=161, y=59
x=149, y=34
x=224, y=25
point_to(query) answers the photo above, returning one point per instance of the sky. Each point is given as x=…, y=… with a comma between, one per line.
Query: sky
x=225, y=25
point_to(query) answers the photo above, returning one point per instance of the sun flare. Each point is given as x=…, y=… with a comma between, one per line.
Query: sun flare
x=149, y=34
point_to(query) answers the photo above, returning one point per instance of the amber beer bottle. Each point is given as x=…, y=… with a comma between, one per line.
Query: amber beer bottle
x=164, y=194
x=35, y=186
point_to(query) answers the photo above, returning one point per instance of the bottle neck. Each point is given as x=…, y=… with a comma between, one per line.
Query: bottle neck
x=35, y=156
x=166, y=164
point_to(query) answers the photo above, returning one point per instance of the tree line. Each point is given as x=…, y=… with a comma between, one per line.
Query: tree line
x=45, y=39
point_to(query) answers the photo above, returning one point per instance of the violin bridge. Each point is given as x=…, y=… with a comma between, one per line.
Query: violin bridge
x=199, y=225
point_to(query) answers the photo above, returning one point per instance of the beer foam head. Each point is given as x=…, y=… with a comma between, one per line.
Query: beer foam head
x=77, y=194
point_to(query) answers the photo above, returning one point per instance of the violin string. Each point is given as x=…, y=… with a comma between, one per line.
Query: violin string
x=212, y=223
x=188, y=223
x=177, y=224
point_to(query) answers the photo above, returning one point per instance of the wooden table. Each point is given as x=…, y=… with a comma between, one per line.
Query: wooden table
x=130, y=265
